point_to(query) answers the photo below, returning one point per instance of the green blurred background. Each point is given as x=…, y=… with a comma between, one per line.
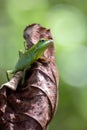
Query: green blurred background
x=68, y=22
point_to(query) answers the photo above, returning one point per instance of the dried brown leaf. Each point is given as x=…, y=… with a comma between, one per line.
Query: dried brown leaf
x=32, y=106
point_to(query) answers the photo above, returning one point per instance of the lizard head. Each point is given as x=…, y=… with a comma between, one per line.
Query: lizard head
x=39, y=48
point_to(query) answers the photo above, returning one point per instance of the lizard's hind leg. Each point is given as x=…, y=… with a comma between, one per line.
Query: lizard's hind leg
x=23, y=78
x=7, y=74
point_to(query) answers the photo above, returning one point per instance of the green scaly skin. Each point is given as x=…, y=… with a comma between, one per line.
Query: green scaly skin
x=30, y=56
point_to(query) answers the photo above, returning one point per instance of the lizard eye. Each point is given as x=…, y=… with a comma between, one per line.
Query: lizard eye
x=42, y=40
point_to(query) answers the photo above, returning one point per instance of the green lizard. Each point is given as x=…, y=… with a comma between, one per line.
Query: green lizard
x=30, y=56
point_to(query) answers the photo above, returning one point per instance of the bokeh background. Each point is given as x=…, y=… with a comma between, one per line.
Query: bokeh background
x=67, y=20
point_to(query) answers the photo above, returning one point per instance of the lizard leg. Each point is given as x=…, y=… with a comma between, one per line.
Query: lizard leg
x=45, y=60
x=7, y=74
x=25, y=46
x=23, y=78
x=20, y=53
